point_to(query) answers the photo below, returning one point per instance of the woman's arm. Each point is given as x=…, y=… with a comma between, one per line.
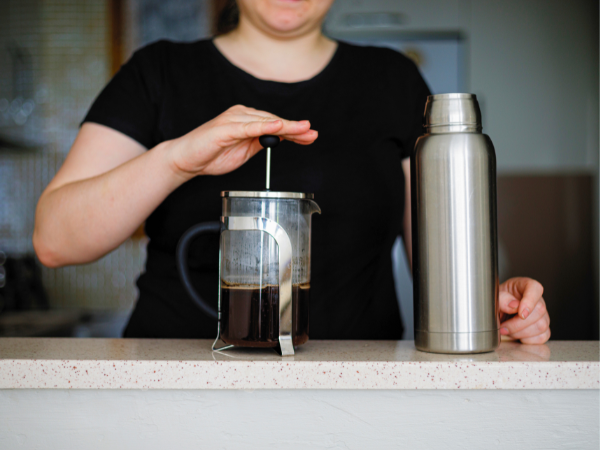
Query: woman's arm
x=109, y=184
x=407, y=235
x=106, y=188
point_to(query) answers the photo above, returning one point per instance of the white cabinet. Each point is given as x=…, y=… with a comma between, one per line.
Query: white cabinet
x=410, y=15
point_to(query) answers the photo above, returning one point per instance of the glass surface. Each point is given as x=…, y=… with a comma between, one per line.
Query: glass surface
x=250, y=272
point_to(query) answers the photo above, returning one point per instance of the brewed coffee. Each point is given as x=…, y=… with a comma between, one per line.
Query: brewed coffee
x=250, y=317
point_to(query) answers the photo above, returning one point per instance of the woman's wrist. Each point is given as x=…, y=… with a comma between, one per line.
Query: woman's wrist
x=170, y=150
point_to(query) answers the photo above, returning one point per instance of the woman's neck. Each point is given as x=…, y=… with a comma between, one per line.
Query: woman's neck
x=271, y=57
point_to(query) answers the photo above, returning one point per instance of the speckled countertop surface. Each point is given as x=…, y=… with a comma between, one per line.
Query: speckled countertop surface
x=40, y=363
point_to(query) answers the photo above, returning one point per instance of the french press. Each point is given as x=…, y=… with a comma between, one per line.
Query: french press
x=264, y=268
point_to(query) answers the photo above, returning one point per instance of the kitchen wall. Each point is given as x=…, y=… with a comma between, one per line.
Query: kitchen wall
x=533, y=65
x=54, y=59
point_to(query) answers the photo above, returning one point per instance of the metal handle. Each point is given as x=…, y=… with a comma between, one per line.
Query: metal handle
x=284, y=245
x=181, y=258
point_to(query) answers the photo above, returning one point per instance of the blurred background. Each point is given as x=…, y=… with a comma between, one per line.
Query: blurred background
x=532, y=63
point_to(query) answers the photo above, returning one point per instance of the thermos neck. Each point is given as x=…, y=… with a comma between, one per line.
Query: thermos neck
x=452, y=113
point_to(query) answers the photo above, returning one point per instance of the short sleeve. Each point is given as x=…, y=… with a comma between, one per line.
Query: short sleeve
x=130, y=101
x=417, y=95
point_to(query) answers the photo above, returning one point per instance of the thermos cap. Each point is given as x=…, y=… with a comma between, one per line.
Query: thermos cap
x=449, y=110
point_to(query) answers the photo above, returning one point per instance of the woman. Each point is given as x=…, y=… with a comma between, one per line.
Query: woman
x=179, y=123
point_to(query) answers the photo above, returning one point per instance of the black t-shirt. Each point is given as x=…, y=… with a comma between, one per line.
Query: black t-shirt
x=367, y=105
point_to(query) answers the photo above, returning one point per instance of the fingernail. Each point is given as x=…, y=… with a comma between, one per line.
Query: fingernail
x=504, y=331
x=525, y=313
x=514, y=304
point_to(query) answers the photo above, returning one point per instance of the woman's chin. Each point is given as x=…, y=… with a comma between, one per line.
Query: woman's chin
x=285, y=17
x=288, y=16
x=286, y=23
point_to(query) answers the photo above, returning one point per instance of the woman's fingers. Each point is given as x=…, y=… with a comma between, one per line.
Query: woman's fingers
x=537, y=328
x=244, y=122
x=532, y=294
x=279, y=127
x=508, y=303
x=529, y=292
x=516, y=324
x=231, y=138
x=539, y=339
x=255, y=129
x=292, y=128
x=251, y=117
x=241, y=110
x=303, y=139
x=533, y=330
x=245, y=117
x=523, y=298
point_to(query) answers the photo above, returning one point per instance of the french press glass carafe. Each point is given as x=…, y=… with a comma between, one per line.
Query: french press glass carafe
x=264, y=269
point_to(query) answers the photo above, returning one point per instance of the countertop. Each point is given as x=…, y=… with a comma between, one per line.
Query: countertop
x=61, y=363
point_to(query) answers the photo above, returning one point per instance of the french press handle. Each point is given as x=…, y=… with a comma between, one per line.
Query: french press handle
x=181, y=259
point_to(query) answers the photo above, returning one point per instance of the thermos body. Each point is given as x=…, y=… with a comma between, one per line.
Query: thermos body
x=454, y=225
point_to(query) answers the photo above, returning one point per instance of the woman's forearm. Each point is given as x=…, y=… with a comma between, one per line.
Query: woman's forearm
x=407, y=226
x=109, y=184
x=83, y=220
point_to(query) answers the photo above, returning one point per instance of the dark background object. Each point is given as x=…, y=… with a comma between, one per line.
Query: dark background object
x=226, y=16
x=23, y=289
x=545, y=222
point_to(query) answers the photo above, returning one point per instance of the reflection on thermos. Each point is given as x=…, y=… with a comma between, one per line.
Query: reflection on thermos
x=455, y=256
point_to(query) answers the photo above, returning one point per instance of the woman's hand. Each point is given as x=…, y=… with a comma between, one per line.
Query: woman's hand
x=523, y=313
x=230, y=139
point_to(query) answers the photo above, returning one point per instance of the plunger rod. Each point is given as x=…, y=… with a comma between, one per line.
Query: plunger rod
x=268, y=142
x=268, y=168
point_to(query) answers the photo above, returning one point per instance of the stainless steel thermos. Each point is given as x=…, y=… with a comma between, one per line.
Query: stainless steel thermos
x=454, y=226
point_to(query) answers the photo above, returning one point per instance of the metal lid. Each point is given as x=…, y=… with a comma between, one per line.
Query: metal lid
x=443, y=110
x=451, y=96
x=266, y=194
